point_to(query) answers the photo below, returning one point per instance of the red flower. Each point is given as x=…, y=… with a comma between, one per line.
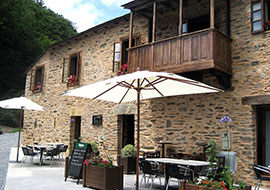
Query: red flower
x=86, y=162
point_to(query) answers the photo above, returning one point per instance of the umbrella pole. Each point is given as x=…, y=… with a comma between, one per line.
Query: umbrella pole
x=19, y=137
x=138, y=133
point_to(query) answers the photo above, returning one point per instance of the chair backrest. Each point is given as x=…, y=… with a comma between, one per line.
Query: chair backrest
x=259, y=170
x=147, y=167
x=65, y=147
x=179, y=172
x=30, y=151
x=25, y=151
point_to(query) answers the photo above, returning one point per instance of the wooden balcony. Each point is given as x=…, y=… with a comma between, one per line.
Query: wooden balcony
x=201, y=50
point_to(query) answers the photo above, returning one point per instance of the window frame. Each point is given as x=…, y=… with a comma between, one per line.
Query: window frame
x=33, y=79
x=78, y=68
x=137, y=42
x=114, y=52
x=262, y=15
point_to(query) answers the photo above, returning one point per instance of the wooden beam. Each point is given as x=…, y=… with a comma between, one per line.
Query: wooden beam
x=130, y=29
x=228, y=6
x=256, y=100
x=180, y=17
x=154, y=22
x=212, y=13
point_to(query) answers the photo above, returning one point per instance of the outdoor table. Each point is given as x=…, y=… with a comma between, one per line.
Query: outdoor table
x=53, y=144
x=194, y=163
x=163, y=147
x=41, y=148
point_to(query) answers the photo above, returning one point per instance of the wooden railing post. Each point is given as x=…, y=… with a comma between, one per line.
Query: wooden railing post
x=212, y=13
x=153, y=34
x=130, y=40
x=180, y=17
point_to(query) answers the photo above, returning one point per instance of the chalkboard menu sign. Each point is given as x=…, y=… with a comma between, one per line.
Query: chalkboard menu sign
x=77, y=159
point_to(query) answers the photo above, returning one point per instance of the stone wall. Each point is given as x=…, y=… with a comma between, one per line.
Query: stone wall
x=96, y=48
x=186, y=121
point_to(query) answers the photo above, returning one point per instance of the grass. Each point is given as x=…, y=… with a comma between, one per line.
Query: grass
x=15, y=130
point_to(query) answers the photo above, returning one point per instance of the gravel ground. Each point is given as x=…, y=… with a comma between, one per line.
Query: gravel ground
x=7, y=140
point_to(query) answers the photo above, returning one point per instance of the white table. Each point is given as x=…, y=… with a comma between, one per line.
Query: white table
x=193, y=163
x=179, y=161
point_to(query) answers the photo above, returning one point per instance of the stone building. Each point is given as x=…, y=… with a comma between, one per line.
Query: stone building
x=222, y=43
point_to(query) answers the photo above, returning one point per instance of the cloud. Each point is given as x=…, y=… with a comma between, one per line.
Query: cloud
x=82, y=14
x=87, y=13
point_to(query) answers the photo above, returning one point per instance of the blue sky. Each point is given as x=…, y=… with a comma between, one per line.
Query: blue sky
x=87, y=13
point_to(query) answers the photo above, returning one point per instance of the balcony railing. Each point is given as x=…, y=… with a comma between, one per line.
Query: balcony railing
x=201, y=50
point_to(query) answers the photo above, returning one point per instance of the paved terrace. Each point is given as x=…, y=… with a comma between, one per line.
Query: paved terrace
x=34, y=177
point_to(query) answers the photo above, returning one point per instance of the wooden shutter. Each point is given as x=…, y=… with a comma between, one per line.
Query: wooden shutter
x=78, y=70
x=32, y=79
x=65, y=70
x=42, y=77
x=257, y=15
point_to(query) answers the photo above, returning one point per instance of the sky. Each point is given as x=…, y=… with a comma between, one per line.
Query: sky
x=87, y=13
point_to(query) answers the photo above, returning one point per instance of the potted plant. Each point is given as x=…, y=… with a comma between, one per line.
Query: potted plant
x=216, y=180
x=102, y=174
x=95, y=150
x=128, y=159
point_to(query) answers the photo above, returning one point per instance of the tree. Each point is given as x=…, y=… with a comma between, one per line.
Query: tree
x=27, y=27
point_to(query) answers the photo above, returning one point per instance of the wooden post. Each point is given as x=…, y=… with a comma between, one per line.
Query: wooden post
x=138, y=133
x=212, y=13
x=154, y=22
x=180, y=17
x=130, y=29
x=228, y=6
x=130, y=38
x=19, y=137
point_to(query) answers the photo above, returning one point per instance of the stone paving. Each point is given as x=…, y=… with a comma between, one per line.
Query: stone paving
x=34, y=177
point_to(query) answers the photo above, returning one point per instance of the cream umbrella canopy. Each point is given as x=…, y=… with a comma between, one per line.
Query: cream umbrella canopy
x=138, y=86
x=20, y=103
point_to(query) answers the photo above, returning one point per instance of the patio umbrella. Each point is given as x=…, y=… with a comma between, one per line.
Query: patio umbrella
x=20, y=103
x=138, y=86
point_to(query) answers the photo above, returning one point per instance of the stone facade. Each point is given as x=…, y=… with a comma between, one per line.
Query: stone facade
x=186, y=121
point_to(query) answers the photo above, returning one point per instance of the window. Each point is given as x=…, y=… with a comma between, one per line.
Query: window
x=97, y=120
x=71, y=69
x=120, y=56
x=260, y=15
x=116, y=56
x=257, y=16
x=37, y=79
x=263, y=135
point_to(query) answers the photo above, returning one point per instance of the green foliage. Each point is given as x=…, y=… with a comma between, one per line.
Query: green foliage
x=77, y=140
x=26, y=29
x=94, y=147
x=16, y=130
x=212, y=159
x=98, y=161
x=128, y=151
x=10, y=118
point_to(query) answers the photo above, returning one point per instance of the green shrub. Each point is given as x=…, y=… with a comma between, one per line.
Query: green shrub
x=128, y=151
x=10, y=118
x=94, y=147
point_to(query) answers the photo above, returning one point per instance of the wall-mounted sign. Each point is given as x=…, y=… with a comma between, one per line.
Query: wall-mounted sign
x=97, y=120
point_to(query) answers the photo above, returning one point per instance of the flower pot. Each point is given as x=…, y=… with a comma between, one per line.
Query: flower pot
x=188, y=186
x=129, y=164
x=102, y=177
